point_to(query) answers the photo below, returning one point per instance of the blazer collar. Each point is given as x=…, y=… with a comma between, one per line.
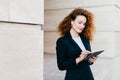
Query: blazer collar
x=68, y=35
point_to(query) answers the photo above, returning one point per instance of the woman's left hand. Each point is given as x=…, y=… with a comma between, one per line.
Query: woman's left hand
x=93, y=59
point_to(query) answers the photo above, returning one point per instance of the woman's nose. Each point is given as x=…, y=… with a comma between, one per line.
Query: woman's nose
x=82, y=25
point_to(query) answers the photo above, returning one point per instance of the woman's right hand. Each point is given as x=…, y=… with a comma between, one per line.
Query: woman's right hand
x=82, y=56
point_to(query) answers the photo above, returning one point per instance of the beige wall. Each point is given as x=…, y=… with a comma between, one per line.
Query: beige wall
x=21, y=39
x=25, y=11
x=107, y=13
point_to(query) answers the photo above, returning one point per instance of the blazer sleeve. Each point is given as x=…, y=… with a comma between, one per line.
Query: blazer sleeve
x=63, y=62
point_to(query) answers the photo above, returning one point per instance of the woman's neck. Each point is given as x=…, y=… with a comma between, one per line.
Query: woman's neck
x=74, y=33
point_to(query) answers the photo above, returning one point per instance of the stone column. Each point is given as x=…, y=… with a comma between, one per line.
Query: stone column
x=21, y=40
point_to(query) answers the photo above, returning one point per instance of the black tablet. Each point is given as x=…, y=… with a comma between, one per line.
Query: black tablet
x=93, y=54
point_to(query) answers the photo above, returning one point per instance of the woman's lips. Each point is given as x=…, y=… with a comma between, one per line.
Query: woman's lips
x=80, y=29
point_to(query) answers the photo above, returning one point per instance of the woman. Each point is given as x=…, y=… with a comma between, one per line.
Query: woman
x=73, y=46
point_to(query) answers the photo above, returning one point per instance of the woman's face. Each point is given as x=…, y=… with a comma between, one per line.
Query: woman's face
x=79, y=23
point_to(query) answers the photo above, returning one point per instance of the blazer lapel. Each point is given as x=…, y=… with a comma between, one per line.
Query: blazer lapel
x=73, y=42
x=85, y=42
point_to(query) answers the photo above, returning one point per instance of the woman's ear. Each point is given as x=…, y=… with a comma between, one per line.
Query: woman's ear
x=71, y=22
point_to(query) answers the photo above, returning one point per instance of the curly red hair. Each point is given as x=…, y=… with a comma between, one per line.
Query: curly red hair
x=65, y=24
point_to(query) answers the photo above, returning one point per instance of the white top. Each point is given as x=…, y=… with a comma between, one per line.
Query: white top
x=79, y=42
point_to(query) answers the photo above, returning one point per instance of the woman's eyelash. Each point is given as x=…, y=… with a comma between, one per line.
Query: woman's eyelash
x=79, y=22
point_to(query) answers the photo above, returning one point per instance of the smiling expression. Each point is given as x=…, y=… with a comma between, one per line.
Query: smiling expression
x=79, y=23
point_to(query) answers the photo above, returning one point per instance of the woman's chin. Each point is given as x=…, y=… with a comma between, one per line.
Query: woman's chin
x=79, y=32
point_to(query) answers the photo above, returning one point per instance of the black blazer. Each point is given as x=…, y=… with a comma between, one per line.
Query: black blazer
x=67, y=51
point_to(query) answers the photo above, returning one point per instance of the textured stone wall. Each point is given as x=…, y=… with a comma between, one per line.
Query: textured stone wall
x=21, y=39
x=25, y=11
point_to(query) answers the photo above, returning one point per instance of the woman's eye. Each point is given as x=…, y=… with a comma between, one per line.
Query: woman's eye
x=79, y=22
x=84, y=24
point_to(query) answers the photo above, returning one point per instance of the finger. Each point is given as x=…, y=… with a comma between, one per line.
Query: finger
x=93, y=59
x=82, y=55
x=86, y=52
